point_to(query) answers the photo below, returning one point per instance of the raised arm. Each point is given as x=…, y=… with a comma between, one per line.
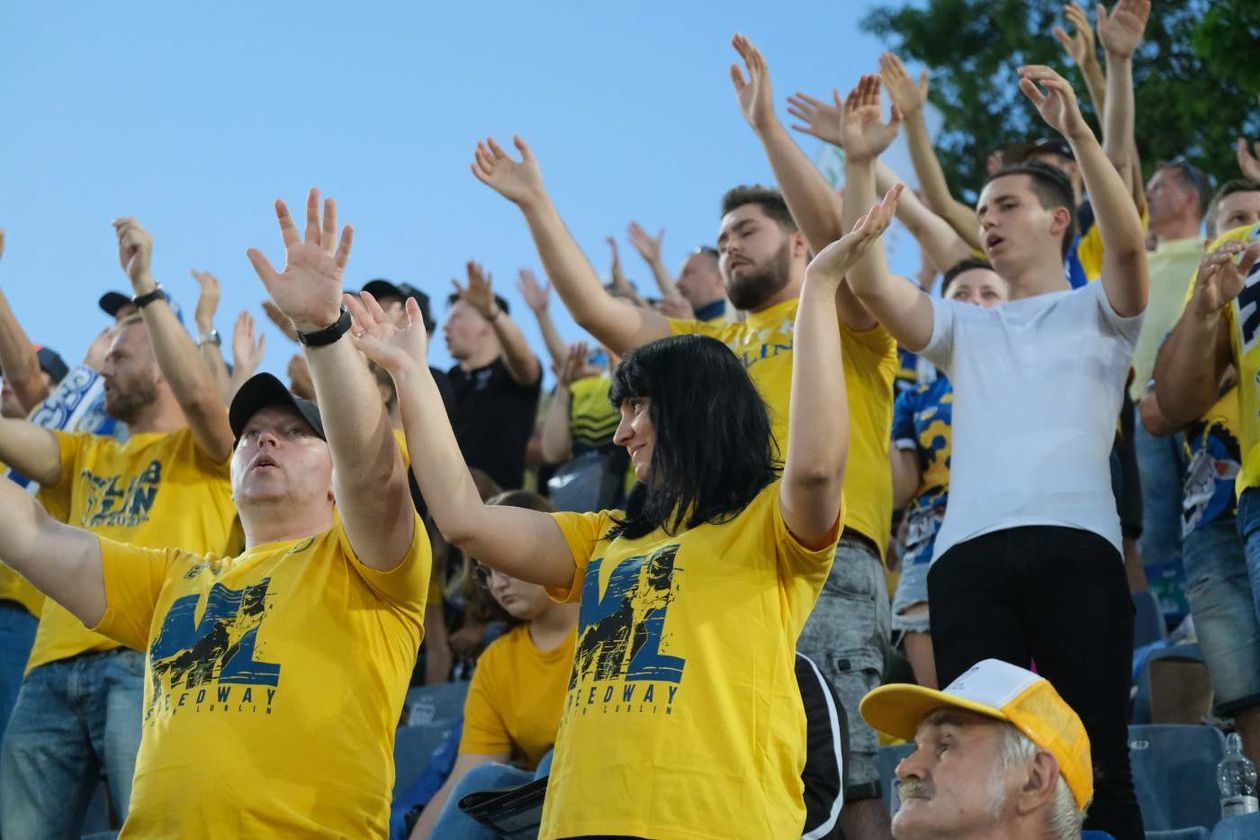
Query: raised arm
x=61, y=561
x=817, y=209
x=522, y=365
x=910, y=98
x=898, y=304
x=525, y=544
x=620, y=325
x=17, y=356
x=1121, y=33
x=209, y=343
x=1080, y=47
x=557, y=434
x=818, y=414
x=649, y=247
x=538, y=299
x=1124, y=243
x=369, y=479
x=191, y=382
x=1189, y=366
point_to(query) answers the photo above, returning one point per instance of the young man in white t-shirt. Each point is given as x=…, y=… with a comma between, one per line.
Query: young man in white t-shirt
x=1027, y=565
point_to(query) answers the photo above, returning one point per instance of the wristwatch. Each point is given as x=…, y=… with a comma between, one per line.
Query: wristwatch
x=327, y=335
x=210, y=336
x=141, y=301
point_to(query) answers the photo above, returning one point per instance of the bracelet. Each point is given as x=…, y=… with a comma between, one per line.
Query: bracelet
x=329, y=334
x=141, y=301
x=210, y=336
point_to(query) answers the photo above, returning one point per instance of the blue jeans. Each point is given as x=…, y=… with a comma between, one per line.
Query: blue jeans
x=1160, y=468
x=74, y=719
x=17, y=634
x=454, y=824
x=1222, y=601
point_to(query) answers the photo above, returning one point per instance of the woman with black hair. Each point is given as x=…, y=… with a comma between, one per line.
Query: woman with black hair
x=683, y=716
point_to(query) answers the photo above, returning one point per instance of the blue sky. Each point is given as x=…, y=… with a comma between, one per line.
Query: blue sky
x=194, y=117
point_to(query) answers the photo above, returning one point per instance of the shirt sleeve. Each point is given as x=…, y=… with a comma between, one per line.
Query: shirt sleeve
x=1126, y=329
x=689, y=326
x=406, y=586
x=485, y=732
x=940, y=347
x=582, y=531
x=133, y=581
x=797, y=562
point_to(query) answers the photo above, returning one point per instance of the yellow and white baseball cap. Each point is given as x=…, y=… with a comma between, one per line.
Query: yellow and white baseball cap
x=998, y=690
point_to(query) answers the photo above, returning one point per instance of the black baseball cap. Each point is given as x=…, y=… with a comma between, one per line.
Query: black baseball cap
x=112, y=301
x=51, y=363
x=263, y=390
x=1052, y=146
x=381, y=288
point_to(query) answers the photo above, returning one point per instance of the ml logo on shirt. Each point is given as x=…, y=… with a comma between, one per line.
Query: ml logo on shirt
x=115, y=502
x=209, y=664
x=620, y=635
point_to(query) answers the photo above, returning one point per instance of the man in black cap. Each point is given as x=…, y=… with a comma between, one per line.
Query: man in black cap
x=392, y=297
x=313, y=629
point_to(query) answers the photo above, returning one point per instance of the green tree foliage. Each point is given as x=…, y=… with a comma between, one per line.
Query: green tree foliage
x=1196, y=76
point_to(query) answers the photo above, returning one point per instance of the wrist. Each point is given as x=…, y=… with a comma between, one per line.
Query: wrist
x=317, y=323
x=143, y=283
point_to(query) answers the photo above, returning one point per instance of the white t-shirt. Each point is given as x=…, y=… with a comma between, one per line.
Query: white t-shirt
x=1038, y=385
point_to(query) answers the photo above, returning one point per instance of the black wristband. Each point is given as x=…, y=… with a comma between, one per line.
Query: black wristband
x=141, y=301
x=327, y=335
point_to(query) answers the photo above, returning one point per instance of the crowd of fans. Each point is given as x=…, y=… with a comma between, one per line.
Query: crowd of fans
x=784, y=463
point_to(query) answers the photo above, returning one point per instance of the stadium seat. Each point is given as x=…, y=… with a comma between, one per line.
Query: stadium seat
x=413, y=745
x=1174, y=775
x=1246, y=827
x=1196, y=833
x=1181, y=690
x=889, y=758
x=1148, y=621
x=435, y=703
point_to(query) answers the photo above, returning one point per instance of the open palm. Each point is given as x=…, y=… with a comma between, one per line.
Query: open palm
x=865, y=134
x=1121, y=31
x=308, y=291
x=1057, y=105
x=394, y=348
x=817, y=117
x=755, y=99
x=517, y=181
x=838, y=257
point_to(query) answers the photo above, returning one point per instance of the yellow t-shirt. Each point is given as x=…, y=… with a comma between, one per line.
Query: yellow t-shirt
x=763, y=342
x=1168, y=267
x=592, y=420
x=515, y=698
x=273, y=684
x=157, y=490
x=1242, y=319
x=683, y=718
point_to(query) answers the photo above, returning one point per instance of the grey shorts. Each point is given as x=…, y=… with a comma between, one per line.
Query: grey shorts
x=847, y=636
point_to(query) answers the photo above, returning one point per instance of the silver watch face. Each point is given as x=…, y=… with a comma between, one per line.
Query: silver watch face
x=211, y=337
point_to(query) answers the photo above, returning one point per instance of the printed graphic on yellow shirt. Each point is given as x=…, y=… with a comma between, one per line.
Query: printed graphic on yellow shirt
x=120, y=501
x=622, y=663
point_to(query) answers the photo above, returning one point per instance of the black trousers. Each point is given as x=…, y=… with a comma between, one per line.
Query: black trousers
x=1057, y=597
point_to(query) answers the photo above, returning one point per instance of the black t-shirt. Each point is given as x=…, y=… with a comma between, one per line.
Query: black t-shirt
x=493, y=417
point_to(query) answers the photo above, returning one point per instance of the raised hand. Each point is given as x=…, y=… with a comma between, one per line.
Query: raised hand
x=1080, y=44
x=1249, y=164
x=518, y=182
x=906, y=94
x=396, y=349
x=208, y=301
x=1221, y=277
x=135, y=253
x=99, y=348
x=619, y=279
x=649, y=247
x=1058, y=105
x=676, y=306
x=247, y=353
x=1121, y=31
x=865, y=134
x=281, y=320
x=755, y=99
x=574, y=367
x=300, y=381
x=819, y=119
x=478, y=293
x=836, y=259
x=308, y=291
x=537, y=296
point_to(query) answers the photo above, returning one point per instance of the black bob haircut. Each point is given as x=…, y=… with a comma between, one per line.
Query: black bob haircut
x=713, y=451
x=1052, y=188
